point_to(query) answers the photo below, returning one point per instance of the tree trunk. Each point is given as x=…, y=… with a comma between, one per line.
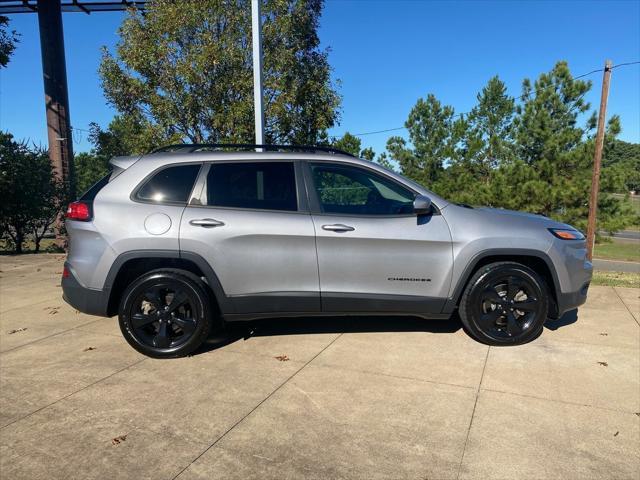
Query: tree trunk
x=19, y=241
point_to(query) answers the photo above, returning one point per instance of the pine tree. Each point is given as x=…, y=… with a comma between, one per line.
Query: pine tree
x=434, y=134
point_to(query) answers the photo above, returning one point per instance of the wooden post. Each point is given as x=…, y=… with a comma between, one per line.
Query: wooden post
x=56, y=99
x=597, y=159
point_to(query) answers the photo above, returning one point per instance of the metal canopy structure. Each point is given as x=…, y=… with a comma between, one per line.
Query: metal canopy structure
x=54, y=70
x=73, y=6
x=54, y=73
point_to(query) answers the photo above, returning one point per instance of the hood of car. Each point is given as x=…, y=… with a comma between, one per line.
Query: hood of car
x=513, y=215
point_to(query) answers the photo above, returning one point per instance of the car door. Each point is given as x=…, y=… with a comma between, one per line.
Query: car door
x=252, y=225
x=374, y=253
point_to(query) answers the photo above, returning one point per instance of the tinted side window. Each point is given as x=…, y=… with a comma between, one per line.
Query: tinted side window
x=270, y=186
x=356, y=191
x=170, y=185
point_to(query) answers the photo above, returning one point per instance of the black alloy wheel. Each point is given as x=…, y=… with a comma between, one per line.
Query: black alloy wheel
x=504, y=303
x=163, y=316
x=166, y=313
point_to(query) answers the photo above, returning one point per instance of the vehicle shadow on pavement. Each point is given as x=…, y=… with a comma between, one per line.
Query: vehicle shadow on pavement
x=316, y=325
x=567, y=319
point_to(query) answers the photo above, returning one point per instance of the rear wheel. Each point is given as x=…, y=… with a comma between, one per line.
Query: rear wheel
x=166, y=313
x=504, y=303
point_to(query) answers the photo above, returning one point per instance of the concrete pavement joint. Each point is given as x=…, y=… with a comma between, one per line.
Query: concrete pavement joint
x=399, y=377
x=54, y=335
x=255, y=408
x=626, y=306
x=473, y=412
x=565, y=402
x=73, y=393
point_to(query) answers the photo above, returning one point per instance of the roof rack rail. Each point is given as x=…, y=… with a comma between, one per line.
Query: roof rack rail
x=201, y=147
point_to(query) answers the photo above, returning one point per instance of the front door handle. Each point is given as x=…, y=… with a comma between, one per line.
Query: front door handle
x=206, y=223
x=338, y=227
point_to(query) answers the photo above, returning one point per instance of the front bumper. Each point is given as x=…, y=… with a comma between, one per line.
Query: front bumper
x=83, y=299
x=572, y=274
x=569, y=301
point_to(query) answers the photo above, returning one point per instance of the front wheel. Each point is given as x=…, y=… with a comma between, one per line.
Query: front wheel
x=504, y=303
x=166, y=313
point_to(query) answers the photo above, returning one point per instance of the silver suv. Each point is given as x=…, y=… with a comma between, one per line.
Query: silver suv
x=182, y=240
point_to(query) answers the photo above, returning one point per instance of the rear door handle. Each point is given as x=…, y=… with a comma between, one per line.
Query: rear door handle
x=206, y=223
x=338, y=227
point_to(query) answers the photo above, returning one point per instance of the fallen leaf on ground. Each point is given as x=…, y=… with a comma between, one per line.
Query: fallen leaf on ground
x=604, y=364
x=17, y=330
x=616, y=434
x=117, y=440
x=282, y=358
x=89, y=348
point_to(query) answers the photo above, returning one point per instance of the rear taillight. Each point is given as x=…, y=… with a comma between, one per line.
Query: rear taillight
x=66, y=273
x=78, y=211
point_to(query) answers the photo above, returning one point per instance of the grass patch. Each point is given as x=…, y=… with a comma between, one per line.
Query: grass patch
x=616, y=279
x=627, y=251
x=47, y=245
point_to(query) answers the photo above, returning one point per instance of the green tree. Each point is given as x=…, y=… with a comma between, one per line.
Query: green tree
x=31, y=195
x=89, y=168
x=489, y=137
x=351, y=144
x=8, y=41
x=434, y=135
x=184, y=69
x=622, y=160
x=534, y=156
x=125, y=135
x=559, y=152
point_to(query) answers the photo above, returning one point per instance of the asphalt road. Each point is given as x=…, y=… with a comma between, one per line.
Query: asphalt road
x=616, y=266
x=626, y=234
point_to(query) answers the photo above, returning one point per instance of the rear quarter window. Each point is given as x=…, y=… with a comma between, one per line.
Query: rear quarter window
x=169, y=185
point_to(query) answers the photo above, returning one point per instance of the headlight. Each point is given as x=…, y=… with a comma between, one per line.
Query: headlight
x=567, y=233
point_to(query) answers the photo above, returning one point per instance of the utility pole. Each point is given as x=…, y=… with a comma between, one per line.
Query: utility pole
x=56, y=95
x=256, y=34
x=597, y=159
x=56, y=98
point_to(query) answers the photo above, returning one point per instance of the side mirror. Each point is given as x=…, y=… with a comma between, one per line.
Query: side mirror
x=421, y=205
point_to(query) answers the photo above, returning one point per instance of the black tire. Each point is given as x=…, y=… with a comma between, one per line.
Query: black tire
x=167, y=313
x=504, y=303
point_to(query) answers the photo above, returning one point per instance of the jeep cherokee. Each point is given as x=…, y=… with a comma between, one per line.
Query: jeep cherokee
x=182, y=240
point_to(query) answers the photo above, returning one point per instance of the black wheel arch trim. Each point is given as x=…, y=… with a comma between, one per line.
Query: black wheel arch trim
x=225, y=304
x=556, y=308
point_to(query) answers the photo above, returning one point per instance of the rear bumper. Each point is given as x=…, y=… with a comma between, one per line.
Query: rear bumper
x=86, y=300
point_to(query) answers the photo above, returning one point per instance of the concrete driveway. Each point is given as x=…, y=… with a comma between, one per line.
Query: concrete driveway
x=347, y=398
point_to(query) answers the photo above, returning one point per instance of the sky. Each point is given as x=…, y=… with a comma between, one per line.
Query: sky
x=385, y=53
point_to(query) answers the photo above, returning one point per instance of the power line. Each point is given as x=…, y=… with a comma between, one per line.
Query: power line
x=459, y=115
x=378, y=131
